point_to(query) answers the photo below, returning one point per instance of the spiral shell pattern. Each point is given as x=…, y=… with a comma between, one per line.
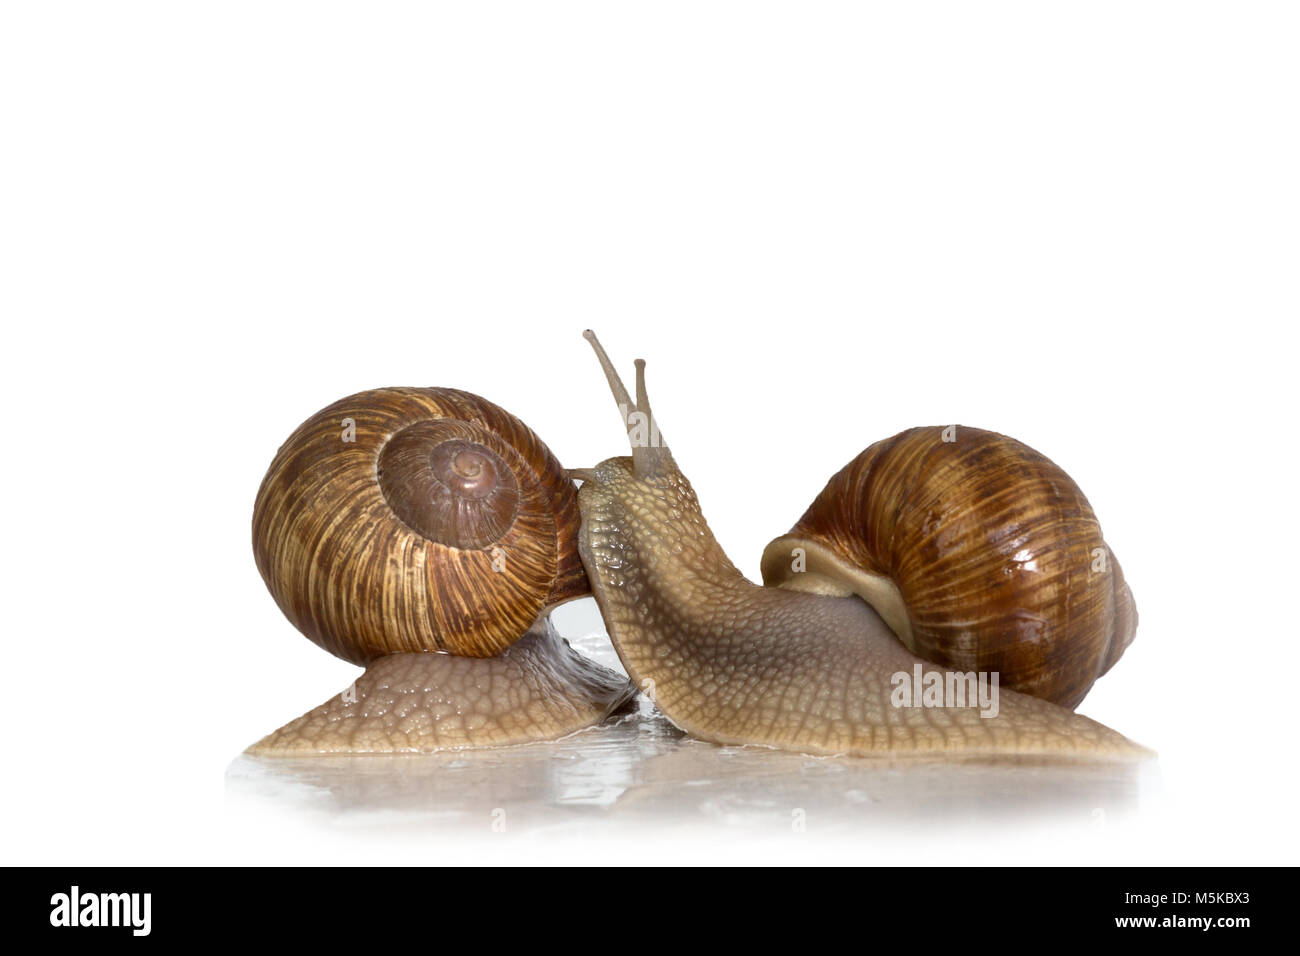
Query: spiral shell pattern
x=994, y=550
x=416, y=519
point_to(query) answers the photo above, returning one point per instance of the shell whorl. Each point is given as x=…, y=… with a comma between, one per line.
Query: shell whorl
x=416, y=519
x=994, y=552
x=449, y=483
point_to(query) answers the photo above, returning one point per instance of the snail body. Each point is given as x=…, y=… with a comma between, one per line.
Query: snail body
x=814, y=667
x=425, y=533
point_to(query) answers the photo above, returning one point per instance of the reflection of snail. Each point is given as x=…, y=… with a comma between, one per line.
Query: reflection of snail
x=426, y=533
x=979, y=553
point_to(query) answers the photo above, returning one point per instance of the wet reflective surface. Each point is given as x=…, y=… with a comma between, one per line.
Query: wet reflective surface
x=637, y=773
x=639, y=770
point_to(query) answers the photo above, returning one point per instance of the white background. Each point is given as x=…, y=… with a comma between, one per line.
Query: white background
x=820, y=223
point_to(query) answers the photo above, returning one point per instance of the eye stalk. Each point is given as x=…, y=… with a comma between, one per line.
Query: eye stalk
x=650, y=454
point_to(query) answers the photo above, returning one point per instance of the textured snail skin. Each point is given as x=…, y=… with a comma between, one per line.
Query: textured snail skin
x=735, y=663
x=980, y=553
x=537, y=689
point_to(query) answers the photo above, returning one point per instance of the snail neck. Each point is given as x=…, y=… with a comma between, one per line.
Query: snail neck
x=652, y=539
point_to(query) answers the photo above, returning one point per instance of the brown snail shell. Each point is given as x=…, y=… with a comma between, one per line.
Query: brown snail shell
x=404, y=520
x=980, y=554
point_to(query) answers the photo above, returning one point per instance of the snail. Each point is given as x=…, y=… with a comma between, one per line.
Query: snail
x=976, y=554
x=426, y=534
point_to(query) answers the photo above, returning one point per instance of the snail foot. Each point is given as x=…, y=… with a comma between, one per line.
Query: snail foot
x=537, y=689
